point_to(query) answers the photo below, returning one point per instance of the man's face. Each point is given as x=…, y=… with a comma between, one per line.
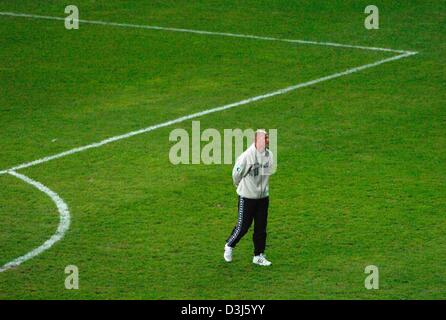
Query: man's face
x=262, y=141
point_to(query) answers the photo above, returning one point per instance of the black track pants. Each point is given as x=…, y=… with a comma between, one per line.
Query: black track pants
x=249, y=210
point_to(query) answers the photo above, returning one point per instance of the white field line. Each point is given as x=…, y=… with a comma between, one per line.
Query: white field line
x=205, y=112
x=64, y=222
x=225, y=34
x=61, y=205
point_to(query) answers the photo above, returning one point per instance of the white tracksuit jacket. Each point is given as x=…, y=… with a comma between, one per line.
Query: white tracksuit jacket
x=251, y=173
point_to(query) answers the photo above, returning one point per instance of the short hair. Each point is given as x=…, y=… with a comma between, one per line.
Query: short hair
x=260, y=131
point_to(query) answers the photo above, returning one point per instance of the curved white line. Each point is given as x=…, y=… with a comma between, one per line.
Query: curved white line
x=64, y=223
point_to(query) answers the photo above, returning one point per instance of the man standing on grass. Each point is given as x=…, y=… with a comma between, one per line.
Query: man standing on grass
x=250, y=175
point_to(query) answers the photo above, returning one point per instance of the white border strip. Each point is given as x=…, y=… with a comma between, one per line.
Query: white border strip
x=64, y=222
x=205, y=112
x=225, y=34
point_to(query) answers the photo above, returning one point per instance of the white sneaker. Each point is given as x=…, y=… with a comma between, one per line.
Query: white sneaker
x=261, y=260
x=228, y=253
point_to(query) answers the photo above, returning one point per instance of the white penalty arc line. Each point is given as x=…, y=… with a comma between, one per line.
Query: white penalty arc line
x=202, y=32
x=205, y=112
x=64, y=222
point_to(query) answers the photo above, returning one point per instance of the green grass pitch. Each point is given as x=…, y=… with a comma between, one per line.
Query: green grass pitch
x=361, y=169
